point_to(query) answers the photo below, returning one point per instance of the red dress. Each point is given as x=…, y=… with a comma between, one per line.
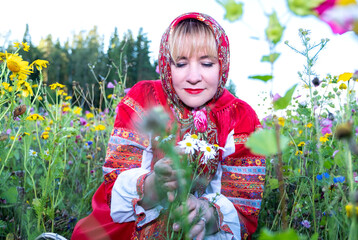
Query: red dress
x=243, y=173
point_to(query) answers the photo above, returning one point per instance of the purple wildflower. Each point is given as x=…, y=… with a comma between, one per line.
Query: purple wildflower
x=83, y=121
x=276, y=97
x=8, y=131
x=110, y=85
x=306, y=223
x=334, y=153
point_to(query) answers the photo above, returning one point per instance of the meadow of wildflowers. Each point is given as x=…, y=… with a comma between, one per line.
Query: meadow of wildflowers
x=52, y=148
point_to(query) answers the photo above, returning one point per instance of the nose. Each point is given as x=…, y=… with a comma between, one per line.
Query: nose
x=194, y=75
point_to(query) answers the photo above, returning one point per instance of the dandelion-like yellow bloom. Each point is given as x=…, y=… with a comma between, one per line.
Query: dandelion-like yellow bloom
x=56, y=85
x=323, y=139
x=350, y=210
x=100, y=127
x=39, y=64
x=298, y=152
x=45, y=135
x=7, y=86
x=281, y=121
x=25, y=88
x=309, y=125
x=301, y=144
x=68, y=98
x=26, y=46
x=77, y=111
x=345, y=77
x=89, y=115
x=34, y=117
x=342, y=86
x=17, y=66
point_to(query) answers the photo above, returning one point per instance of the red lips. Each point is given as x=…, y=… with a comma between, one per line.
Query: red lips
x=193, y=91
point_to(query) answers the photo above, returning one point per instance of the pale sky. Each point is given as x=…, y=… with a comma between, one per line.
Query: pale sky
x=64, y=18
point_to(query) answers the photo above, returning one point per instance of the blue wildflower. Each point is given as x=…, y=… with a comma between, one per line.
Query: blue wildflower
x=326, y=175
x=339, y=179
x=319, y=177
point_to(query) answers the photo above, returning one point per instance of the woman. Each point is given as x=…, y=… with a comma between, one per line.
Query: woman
x=140, y=182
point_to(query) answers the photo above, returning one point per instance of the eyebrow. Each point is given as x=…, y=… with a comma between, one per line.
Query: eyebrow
x=202, y=57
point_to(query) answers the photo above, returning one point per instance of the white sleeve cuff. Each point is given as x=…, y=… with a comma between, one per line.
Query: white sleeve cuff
x=124, y=192
x=230, y=217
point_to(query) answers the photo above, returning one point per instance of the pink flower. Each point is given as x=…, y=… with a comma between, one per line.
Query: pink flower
x=200, y=120
x=110, y=85
x=276, y=97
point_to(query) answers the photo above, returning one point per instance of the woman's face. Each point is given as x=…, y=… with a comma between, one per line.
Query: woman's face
x=195, y=79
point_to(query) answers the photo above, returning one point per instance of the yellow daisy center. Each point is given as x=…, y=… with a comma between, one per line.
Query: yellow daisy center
x=188, y=144
x=208, y=149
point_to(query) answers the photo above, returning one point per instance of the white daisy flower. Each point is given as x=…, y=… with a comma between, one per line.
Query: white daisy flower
x=33, y=153
x=47, y=152
x=208, y=150
x=188, y=144
x=168, y=138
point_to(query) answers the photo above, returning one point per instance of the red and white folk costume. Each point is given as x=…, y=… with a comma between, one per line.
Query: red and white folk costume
x=236, y=174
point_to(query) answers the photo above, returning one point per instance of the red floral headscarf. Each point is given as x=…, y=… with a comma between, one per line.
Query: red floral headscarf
x=222, y=43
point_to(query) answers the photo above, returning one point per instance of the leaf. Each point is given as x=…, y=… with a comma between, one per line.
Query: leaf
x=273, y=183
x=270, y=58
x=275, y=29
x=283, y=102
x=10, y=195
x=233, y=9
x=264, y=78
x=314, y=236
x=263, y=142
x=339, y=159
x=284, y=235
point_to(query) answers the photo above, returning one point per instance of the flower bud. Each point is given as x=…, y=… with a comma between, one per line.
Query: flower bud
x=316, y=82
x=19, y=110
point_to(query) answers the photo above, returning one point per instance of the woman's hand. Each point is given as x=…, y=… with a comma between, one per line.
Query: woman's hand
x=165, y=178
x=200, y=216
x=162, y=183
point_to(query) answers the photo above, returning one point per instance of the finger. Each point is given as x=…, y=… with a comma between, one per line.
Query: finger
x=176, y=227
x=198, y=230
x=170, y=186
x=171, y=196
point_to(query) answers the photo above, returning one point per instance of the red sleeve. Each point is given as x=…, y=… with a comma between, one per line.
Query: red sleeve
x=126, y=143
x=243, y=174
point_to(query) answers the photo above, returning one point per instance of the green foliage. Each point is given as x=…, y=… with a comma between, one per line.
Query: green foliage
x=264, y=78
x=284, y=101
x=264, y=142
x=233, y=9
x=274, y=30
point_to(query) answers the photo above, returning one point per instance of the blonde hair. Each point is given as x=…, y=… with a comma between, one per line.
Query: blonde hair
x=191, y=36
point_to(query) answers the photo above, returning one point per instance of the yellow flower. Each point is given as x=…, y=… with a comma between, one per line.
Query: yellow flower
x=301, y=144
x=16, y=44
x=300, y=132
x=39, y=98
x=281, y=121
x=298, y=152
x=56, y=85
x=25, y=88
x=39, y=64
x=35, y=86
x=26, y=46
x=109, y=96
x=89, y=115
x=194, y=136
x=342, y=86
x=68, y=98
x=100, y=128
x=349, y=210
x=323, y=139
x=34, y=117
x=45, y=135
x=346, y=2
x=17, y=66
x=309, y=125
x=345, y=76
x=47, y=129
x=77, y=111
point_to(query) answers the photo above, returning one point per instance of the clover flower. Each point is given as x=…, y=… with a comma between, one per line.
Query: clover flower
x=306, y=223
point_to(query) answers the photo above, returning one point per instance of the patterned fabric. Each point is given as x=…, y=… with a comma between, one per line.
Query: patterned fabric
x=243, y=173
